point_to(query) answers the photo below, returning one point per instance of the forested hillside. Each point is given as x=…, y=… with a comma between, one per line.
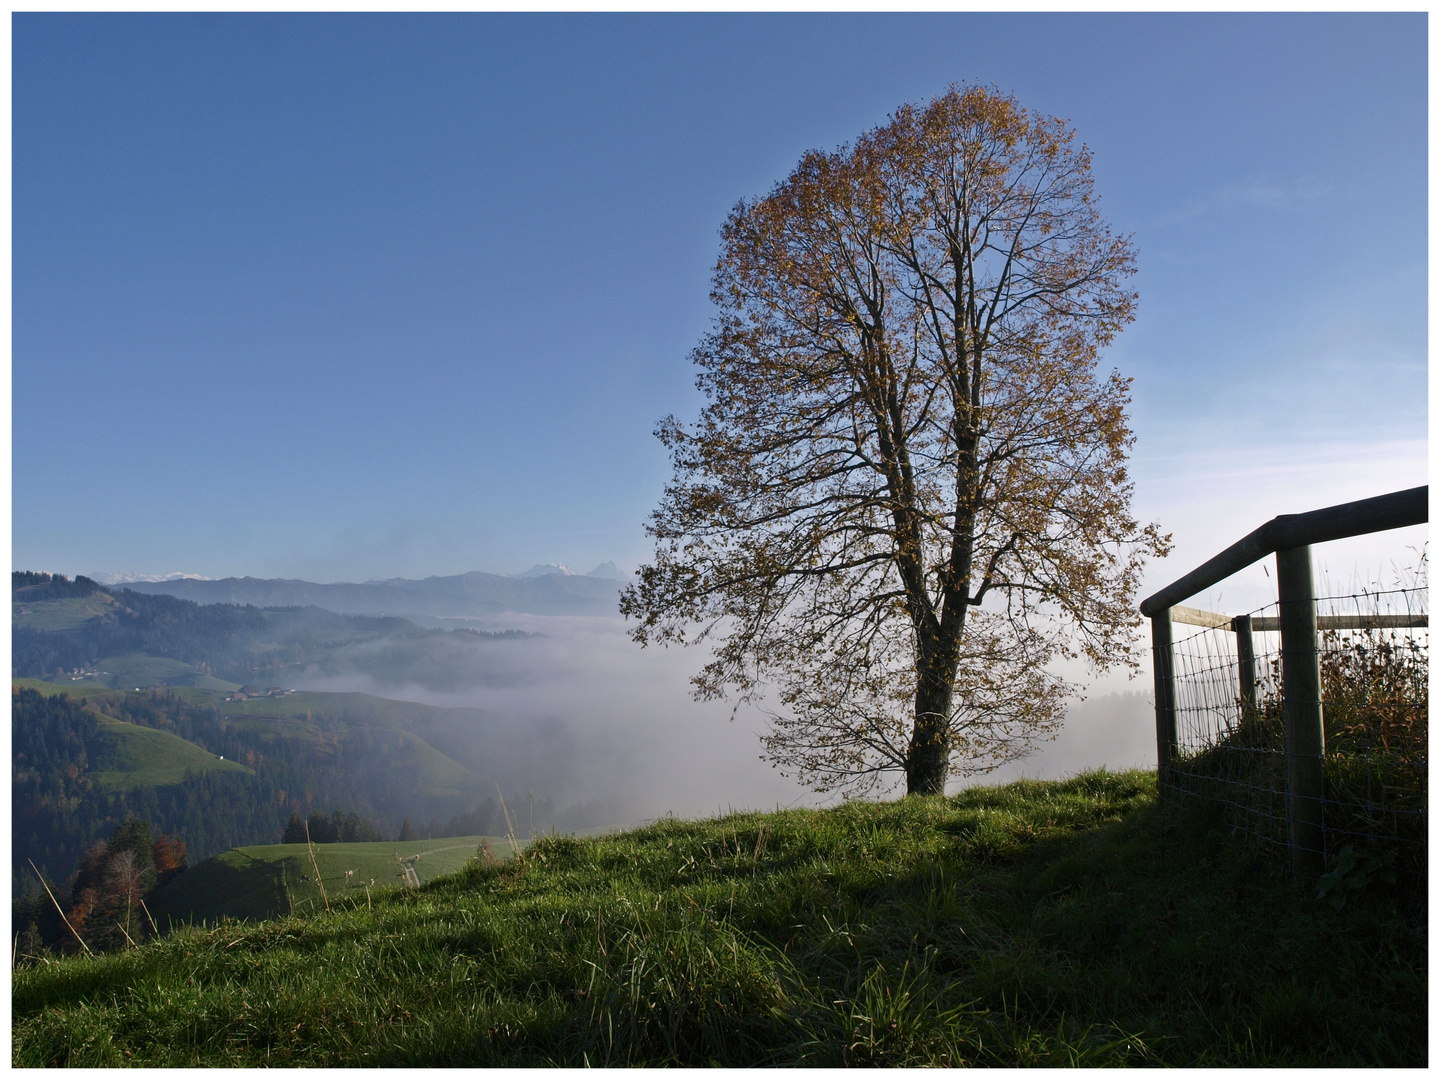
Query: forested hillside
x=223, y=774
x=60, y=806
x=28, y=586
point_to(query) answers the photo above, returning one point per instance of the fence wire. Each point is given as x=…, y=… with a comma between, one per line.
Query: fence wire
x=1374, y=669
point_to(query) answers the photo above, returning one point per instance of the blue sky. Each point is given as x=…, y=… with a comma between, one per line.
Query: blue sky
x=338, y=297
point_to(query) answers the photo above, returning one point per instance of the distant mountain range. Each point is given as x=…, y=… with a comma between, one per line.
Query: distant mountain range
x=557, y=592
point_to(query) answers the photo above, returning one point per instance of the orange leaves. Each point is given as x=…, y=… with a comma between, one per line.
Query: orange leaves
x=170, y=857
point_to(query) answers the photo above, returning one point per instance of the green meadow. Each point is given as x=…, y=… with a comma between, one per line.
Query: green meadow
x=137, y=757
x=65, y=613
x=1068, y=923
x=254, y=883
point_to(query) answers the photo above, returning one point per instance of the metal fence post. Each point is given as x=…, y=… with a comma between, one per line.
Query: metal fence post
x=1304, y=717
x=1164, y=663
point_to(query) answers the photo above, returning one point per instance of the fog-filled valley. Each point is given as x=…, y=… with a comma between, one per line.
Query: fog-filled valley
x=618, y=722
x=561, y=708
x=621, y=726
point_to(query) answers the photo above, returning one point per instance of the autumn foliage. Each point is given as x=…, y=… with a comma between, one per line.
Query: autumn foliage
x=907, y=492
x=112, y=881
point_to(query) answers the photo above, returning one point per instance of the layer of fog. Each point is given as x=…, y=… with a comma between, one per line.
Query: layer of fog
x=583, y=715
x=629, y=733
x=586, y=715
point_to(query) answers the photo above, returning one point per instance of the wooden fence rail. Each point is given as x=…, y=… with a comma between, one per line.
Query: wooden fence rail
x=1288, y=537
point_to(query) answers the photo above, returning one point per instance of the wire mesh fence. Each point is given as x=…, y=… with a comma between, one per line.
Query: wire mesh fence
x=1374, y=678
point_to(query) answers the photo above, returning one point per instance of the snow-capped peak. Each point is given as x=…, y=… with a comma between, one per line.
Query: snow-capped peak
x=125, y=577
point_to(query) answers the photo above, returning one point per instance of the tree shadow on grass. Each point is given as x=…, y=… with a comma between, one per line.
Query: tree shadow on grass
x=236, y=886
x=1166, y=926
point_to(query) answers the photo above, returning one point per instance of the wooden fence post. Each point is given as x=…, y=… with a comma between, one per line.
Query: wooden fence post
x=1245, y=657
x=1164, y=664
x=1304, y=715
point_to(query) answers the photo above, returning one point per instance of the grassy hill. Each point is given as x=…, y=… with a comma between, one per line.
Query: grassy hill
x=303, y=714
x=1033, y=924
x=311, y=717
x=253, y=883
x=135, y=757
x=62, y=613
x=132, y=756
x=140, y=671
x=358, y=708
x=448, y=746
x=304, y=705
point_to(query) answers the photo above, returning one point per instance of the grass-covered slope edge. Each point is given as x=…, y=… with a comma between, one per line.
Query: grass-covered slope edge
x=1037, y=923
x=261, y=882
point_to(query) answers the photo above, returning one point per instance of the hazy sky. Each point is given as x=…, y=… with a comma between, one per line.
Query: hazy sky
x=337, y=297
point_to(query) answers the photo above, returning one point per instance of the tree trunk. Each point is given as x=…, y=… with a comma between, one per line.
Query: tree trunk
x=927, y=764
x=927, y=761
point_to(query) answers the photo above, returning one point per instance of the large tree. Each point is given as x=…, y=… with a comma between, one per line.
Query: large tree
x=907, y=493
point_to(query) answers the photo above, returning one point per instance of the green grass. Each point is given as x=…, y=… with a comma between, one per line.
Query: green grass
x=1032, y=924
x=63, y=614
x=255, y=883
x=444, y=778
x=140, y=671
x=132, y=757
